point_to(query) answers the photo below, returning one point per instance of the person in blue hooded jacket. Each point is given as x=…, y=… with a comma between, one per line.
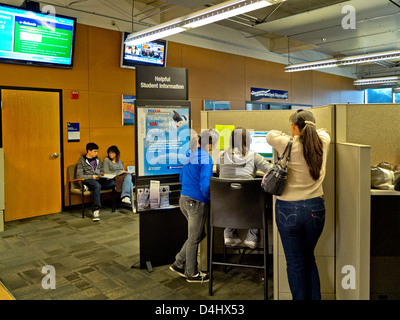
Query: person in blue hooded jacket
x=194, y=203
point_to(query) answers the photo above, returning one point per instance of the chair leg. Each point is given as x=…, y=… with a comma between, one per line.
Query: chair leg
x=83, y=204
x=224, y=255
x=243, y=254
x=113, y=200
x=210, y=264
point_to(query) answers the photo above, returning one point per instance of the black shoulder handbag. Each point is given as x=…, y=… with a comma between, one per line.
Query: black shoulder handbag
x=274, y=180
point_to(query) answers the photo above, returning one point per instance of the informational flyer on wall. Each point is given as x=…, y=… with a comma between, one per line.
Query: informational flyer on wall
x=74, y=134
x=225, y=132
x=163, y=139
x=128, y=110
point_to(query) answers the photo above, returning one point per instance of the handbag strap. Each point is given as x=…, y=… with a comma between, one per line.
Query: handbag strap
x=290, y=150
x=288, y=147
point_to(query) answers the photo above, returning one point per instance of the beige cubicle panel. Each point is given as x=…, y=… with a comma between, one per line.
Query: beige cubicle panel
x=352, y=221
x=376, y=125
x=325, y=250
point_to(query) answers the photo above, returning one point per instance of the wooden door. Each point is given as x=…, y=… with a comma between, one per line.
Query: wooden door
x=32, y=162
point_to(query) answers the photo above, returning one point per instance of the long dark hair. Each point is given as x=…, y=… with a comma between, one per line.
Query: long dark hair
x=309, y=138
x=115, y=150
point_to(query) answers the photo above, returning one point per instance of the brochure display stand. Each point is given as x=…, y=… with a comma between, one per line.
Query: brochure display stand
x=162, y=133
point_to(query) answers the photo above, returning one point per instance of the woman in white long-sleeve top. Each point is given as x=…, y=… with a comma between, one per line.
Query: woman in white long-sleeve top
x=300, y=210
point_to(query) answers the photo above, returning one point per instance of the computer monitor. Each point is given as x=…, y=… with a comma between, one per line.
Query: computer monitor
x=259, y=144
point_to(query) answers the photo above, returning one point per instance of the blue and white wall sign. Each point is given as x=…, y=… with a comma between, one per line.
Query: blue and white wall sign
x=258, y=94
x=74, y=134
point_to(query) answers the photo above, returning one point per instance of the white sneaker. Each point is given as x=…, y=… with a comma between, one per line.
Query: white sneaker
x=96, y=215
x=126, y=200
x=232, y=241
x=199, y=277
x=251, y=244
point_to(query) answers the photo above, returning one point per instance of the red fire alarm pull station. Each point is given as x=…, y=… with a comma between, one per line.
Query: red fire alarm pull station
x=74, y=95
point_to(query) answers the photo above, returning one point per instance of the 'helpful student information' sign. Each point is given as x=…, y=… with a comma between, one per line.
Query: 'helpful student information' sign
x=161, y=83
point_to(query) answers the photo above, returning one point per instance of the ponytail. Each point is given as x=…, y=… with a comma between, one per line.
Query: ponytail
x=309, y=138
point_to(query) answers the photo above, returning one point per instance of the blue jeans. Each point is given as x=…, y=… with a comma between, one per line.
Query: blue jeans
x=127, y=185
x=95, y=187
x=196, y=213
x=300, y=224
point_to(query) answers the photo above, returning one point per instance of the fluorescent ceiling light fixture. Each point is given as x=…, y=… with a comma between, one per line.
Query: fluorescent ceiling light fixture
x=365, y=58
x=362, y=82
x=312, y=65
x=199, y=18
x=373, y=57
x=224, y=11
x=154, y=35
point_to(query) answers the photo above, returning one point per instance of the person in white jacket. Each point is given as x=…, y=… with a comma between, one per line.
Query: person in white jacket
x=300, y=210
x=238, y=162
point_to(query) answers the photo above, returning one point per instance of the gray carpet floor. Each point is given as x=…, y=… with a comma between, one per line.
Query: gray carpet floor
x=93, y=261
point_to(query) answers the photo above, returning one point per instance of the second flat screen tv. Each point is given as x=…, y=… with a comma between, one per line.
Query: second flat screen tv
x=152, y=53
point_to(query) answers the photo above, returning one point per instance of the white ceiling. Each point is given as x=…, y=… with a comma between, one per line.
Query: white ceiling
x=292, y=31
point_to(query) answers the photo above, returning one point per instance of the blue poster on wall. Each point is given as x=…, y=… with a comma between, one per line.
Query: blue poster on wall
x=258, y=94
x=163, y=136
x=128, y=110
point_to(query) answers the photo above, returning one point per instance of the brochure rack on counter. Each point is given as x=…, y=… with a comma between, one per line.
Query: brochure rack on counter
x=162, y=133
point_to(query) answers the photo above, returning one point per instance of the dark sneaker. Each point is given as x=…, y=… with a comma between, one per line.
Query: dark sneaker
x=177, y=270
x=199, y=277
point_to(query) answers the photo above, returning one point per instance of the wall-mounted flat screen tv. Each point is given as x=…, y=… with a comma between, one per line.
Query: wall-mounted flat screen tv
x=38, y=39
x=152, y=53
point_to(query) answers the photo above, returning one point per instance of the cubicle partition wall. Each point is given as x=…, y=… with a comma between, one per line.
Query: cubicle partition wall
x=358, y=253
x=325, y=250
x=367, y=235
x=376, y=125
x=352, y=221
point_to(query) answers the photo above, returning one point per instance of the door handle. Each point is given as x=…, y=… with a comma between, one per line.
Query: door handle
x=55, y=155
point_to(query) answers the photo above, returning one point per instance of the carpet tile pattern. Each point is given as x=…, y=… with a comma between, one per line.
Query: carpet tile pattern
x=100, y=261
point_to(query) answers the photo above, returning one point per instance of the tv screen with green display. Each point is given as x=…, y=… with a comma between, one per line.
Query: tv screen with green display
x=32, y=38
